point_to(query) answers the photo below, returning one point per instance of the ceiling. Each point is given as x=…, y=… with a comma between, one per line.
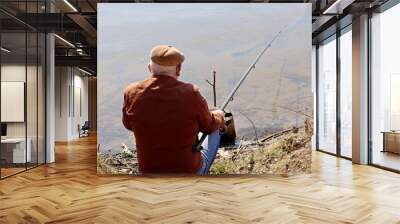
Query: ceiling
x=75, y=22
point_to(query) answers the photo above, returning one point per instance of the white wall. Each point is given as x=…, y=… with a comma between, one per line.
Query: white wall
x=70, y=83
x=79, y=117
x=12, y=73
x=62, y=81
x=33, y=127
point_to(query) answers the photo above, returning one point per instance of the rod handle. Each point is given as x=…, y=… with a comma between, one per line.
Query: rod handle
x=197, y=147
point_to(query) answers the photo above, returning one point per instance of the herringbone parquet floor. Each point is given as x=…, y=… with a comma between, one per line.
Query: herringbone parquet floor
x=69, y=191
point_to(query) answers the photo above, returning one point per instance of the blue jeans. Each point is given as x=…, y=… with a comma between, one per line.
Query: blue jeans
x=210, y=149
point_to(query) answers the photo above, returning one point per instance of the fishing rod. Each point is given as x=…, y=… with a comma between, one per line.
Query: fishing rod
x=197, y=147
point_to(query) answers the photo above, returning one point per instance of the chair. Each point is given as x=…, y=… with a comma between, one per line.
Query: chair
x=84, y=130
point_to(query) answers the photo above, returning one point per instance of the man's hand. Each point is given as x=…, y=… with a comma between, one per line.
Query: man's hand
x=219, y=114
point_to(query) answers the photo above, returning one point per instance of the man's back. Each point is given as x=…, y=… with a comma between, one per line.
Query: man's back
x=165, y=116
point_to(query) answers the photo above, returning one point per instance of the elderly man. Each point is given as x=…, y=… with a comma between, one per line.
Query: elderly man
x=166, y=115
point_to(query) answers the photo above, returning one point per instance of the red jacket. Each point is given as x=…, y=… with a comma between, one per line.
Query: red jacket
x=165, y=116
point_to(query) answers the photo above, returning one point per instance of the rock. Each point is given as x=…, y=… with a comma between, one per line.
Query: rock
x=126, y=152
x=125, y=170
x=111, y=161
x=225, y=154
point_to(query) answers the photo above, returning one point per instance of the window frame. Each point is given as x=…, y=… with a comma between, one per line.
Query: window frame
x=336, y=38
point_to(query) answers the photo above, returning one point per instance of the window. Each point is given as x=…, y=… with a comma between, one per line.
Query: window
x=327, y=95
x=346, y=92
x=22, y=88
x=394, y=102
x=334, y=106
x=385, y=89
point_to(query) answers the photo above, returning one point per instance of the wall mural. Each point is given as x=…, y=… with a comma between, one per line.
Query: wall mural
x=268, y=121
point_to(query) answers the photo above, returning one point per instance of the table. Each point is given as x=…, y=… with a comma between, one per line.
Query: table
x=391, y=141
x=13, y=150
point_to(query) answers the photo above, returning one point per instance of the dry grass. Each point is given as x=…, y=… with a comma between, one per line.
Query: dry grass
x=287, y=154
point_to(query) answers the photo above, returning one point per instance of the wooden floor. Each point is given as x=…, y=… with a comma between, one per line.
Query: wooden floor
x=5, y=172
x=69, y=191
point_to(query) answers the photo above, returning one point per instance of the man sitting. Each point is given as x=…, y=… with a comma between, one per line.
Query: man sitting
x=166, y=115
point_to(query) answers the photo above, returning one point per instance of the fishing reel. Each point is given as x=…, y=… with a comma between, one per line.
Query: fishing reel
x=228, y=134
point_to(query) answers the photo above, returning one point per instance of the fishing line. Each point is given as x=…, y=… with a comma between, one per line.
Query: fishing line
x=197, y=146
